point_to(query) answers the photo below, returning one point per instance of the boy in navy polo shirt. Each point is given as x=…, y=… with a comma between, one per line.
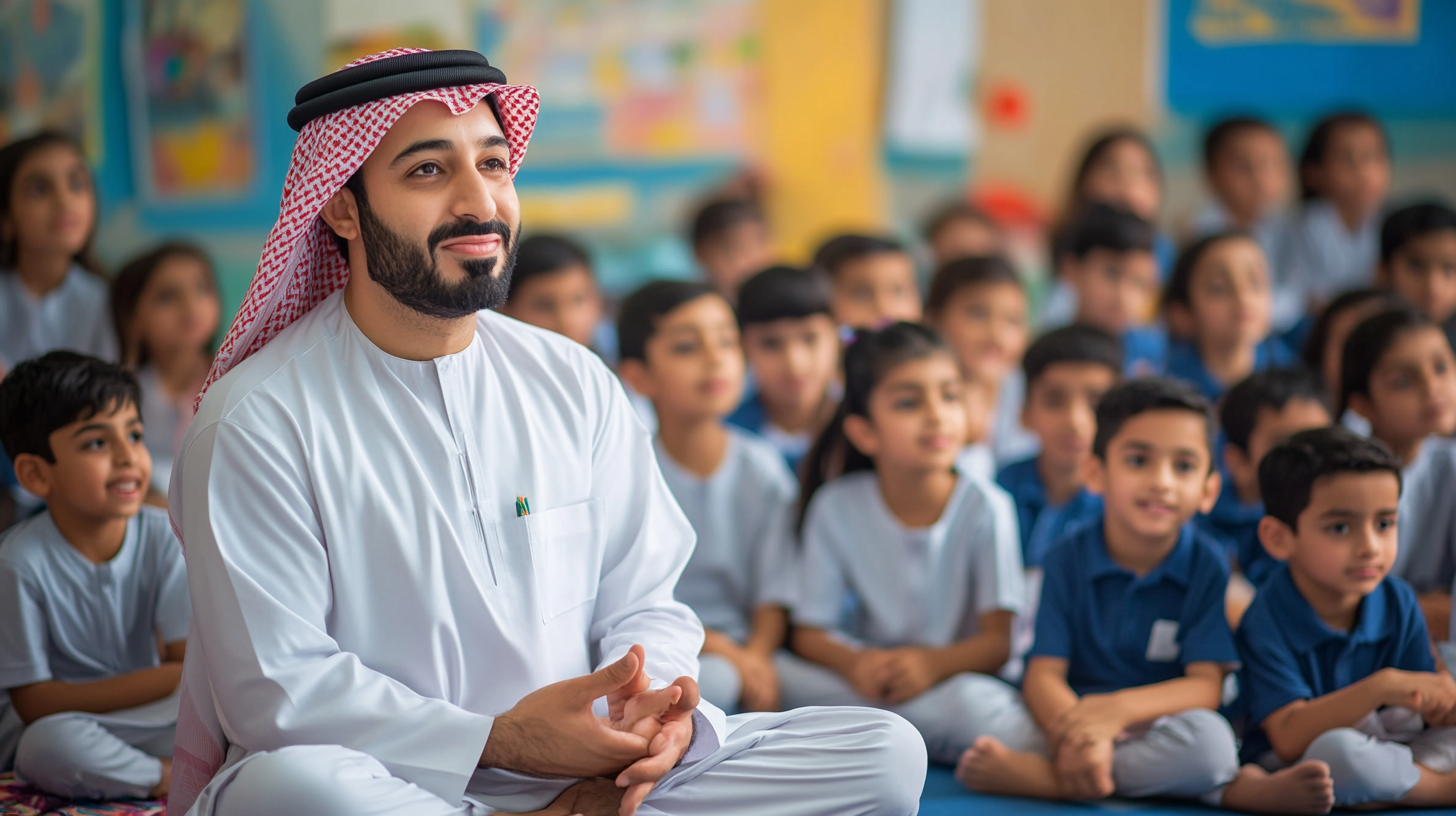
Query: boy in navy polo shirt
x=1257, y=414
x=1338, y=665
x=1131, y=642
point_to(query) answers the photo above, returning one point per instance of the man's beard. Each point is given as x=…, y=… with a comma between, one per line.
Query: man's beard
x=411, y=274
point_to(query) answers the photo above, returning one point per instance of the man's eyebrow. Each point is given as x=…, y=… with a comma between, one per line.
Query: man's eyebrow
x=494, y=141
x=422, y=146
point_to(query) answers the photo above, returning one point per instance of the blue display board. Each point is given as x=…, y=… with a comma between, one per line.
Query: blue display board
x=1296, y=58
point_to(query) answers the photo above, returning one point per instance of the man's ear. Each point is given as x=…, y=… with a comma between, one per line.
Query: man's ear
x=34, y=474
x=1211, y=487
x=636, y=374
x=341, y=213
x=1277, y=538
x=1094, y=474
x=861, y=434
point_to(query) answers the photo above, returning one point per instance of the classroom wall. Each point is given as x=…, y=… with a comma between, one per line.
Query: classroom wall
x=1046, y=74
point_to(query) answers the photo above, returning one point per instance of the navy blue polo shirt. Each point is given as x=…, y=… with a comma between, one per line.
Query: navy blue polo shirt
x=1144, y=351
x=1234, y=526
x=1117, y=630
x=1044, y=524
x=1290, y=654
x=1184, y=363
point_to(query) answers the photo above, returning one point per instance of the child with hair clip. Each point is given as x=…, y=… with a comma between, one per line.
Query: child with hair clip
x=890, y=523
x=1344, y=174
x=166, y=309
x=1218, y=304
x=1398, y=372
x=979, y=306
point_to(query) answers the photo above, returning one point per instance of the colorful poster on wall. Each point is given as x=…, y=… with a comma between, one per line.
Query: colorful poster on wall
x=191, y=112
x=1285, y=21
x=634, y=79
x=49, y=71
x=358, y=28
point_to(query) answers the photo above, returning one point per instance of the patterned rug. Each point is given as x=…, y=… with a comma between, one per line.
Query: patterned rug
x=19, y=800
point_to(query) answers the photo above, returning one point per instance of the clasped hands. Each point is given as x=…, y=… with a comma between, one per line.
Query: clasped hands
x=553, y=732
x=1081, y=741
x=893, y=676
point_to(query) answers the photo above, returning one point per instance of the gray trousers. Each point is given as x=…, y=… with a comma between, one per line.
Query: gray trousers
x=814, y=762
x=950, y=715
x=89, y=756
x=1379, y=766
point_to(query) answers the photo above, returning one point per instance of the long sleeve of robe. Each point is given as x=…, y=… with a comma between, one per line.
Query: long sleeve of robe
x=359, y=575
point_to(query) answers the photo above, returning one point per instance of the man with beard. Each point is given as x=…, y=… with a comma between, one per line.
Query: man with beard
x=431, y=553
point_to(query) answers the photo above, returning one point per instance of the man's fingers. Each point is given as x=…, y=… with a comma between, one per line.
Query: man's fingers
x=647, y=769
x=634, y=797
x=690, y=697
x=611, y=677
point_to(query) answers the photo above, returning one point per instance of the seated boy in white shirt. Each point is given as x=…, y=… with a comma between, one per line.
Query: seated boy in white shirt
x=680, y=349
x=88, y=589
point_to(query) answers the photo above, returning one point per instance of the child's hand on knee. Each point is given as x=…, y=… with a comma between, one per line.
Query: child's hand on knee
x=909, y=673
x=1084, y=769
x=760, y=682
x=868, y=675
x=1095, y=717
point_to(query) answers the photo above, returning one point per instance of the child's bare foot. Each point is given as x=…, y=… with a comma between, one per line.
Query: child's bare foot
x=1304, y=788
x=160, y=789
x=990, y=767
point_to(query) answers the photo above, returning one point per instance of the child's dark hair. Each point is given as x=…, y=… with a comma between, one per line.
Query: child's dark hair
x=545, y=254
x=954, y=211
x=868, y=360
x=12, y=156
x=1317, y=145
x=964, y=273
x=1076, y=343
x=1273, y=388
x=1410, y=223
x=839, y=250
x=1218, y=137
x=1103, y=226
x=1180, y=283
x=1369, y=342
x=782, y=293
x=1288, y=472
x=717, y=217
x=637, y=319
x=131, y=281
x=1313, y=353
x=1099, y=147
x=1136, y=397
x=44, y=394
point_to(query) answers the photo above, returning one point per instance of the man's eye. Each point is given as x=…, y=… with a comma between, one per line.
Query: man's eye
x=429, y=169
x=494, y=163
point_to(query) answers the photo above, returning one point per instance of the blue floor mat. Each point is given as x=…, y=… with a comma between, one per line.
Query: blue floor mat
x=944, y=796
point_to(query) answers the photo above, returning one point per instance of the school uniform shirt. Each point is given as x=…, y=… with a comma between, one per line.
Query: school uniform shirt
x=1234, y=526
x=66, y=618
x=1117, y=630
x=744, y=518
x=363, y=578
x=1144, y=351
x=751, y=416
x=1427, y=554
x=1289, y=653
x=1043, y=524
x=1184, y=363
x=164, y=421
x=74, y=316
x=1275, y=235
x=925, y=586
x=1326, y=258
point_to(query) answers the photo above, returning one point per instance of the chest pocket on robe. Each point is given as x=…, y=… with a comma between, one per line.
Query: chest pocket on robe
x=567, y=545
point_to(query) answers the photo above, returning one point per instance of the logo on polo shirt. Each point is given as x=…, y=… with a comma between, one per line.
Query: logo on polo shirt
x=1163, y=642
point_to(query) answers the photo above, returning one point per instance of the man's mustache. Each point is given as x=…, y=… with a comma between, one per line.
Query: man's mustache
x=463, y=229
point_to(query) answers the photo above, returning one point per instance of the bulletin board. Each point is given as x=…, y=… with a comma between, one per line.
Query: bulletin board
x=1306, y=57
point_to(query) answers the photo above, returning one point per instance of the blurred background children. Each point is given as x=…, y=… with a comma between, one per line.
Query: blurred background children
x=872, y=280
x=165, y=307
x=792, y=345
x=730, y=240
x=891, y=523
x=1247, y=169
x=961, y=230
x=1325, y=343
x=552, y=286
x=680, y=349
x=1105, y=256
x=1418, y=260
x=1218, y=304
x=1344, y=174
x=1399, y=373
